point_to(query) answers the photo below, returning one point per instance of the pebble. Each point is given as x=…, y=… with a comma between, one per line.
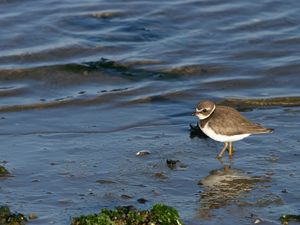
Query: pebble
x=32, y=216
x=257, y=221
x=142, y=153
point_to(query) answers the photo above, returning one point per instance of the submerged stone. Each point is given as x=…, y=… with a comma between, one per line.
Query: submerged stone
x=32, y=216
x=142, y=200
x=172, y=164
x=160, y=175
x=103, y=181
x=128, y=215
x=175, y=164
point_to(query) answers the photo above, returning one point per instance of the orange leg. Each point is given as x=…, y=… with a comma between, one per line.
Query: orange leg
x=230, y=149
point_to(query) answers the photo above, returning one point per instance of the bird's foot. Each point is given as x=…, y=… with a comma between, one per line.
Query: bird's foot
x=219, y=156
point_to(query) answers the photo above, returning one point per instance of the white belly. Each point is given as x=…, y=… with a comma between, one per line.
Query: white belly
x=222, y=138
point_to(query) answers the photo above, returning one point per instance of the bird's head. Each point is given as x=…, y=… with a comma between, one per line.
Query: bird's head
x=204, y=109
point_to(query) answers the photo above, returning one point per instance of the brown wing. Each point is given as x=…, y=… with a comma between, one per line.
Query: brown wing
x=228, y=121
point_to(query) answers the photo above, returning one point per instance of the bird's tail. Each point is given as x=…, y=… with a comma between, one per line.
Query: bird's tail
x=263, y=130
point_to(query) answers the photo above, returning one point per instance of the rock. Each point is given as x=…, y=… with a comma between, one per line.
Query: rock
x=289, y=217
x=142, y=153
x=32, y=216
x=4, y=172
x=172, y=164
x=175, y=164
x=9, y=218
x=142, y=200
x=257, y=221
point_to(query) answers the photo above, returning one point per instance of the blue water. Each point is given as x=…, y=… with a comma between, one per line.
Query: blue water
x=84, y=86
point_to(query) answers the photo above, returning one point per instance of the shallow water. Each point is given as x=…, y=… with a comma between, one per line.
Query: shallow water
x=85, y=86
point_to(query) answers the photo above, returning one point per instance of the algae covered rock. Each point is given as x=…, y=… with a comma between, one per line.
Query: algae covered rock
x=9, y=218
x=128, y=215
x=285, y=219
x=4, y=172
x=164, y=215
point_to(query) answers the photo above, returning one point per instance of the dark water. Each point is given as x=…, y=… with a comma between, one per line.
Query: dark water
x=84, y=86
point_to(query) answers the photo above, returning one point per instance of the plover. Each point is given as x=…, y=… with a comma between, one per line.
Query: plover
x=225, y=124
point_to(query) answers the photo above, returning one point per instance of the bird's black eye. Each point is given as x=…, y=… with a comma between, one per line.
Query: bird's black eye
x=204, y=110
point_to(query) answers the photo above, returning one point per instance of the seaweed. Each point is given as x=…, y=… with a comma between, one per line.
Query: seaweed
x=118, y=69
x=261, y=102
x=165, y=215
x=4, y=172
x=160, y=214
x=9, y=218
x=289, y=217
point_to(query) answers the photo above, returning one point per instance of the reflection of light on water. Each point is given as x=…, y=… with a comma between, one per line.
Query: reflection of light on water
x=224, y=186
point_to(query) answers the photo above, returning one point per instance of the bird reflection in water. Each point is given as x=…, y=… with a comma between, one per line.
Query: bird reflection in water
x=223, y=187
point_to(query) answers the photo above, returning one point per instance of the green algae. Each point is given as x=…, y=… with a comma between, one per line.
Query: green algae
x=103, y=65
x=165, y=215
x=159, y=215
x=262, y=102
x=124, y=70
x=9, y=218
x=4, y=172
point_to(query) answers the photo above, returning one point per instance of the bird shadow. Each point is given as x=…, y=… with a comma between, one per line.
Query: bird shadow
x=195, y=131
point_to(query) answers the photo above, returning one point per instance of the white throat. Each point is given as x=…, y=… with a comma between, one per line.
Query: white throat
x=202, y=117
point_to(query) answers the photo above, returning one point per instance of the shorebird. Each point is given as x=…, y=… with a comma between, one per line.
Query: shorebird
x=225, y=124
